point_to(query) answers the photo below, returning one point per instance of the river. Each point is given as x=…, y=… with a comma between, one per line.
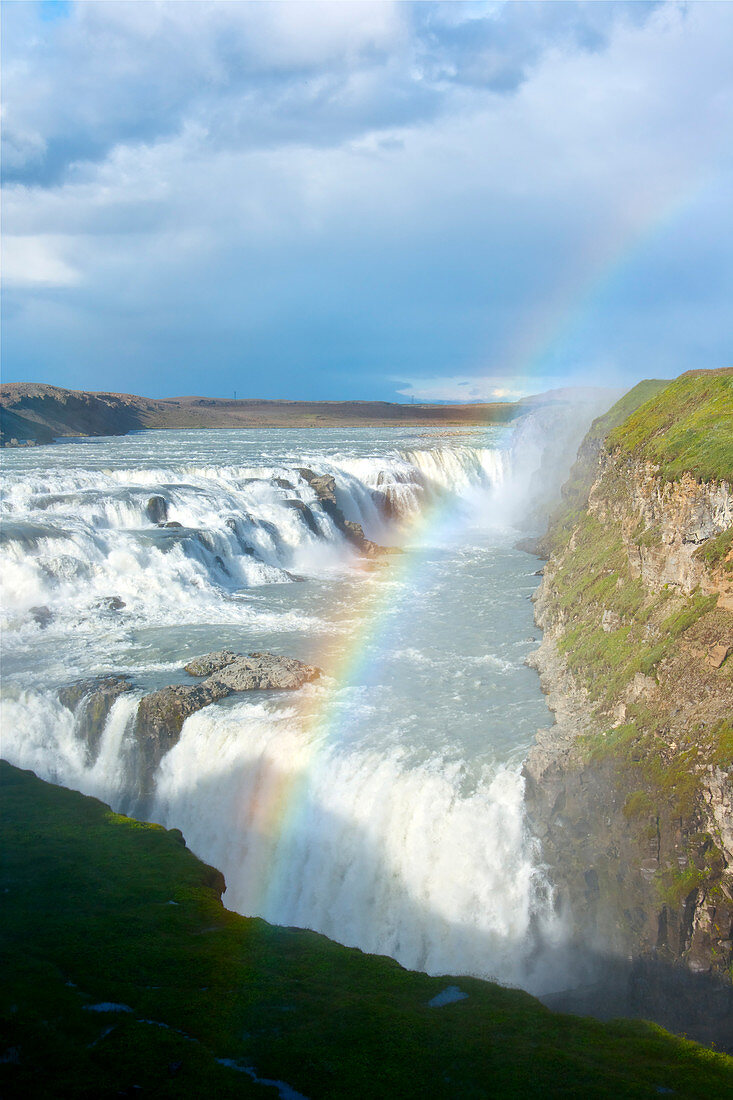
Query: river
x=382, y=804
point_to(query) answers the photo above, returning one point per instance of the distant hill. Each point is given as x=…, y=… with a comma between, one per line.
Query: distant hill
x=38, y=413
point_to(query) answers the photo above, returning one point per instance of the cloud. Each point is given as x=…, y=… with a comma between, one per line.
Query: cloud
x=458, y=389
x=255, y=75
x=35, y=261
x=328, y=201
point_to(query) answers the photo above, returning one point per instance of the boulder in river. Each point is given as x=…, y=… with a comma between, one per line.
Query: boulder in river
x=41, y=615
x=160, y=715
x=355, y=534
x=210, y=662
x=157, y=509
x=110, y=603
x=264, y=672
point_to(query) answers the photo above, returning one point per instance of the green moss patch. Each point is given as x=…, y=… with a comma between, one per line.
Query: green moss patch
x=100, y=909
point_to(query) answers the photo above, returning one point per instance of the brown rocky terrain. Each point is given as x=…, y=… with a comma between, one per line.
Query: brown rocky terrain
x=36, y=413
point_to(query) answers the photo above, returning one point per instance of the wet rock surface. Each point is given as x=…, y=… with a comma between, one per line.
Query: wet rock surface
x=161, y=714
x=160, y=717
x=264, y=672
x=157, y=509
x=110, y=603
x=305, y=513
x=91, y=701
x=210, y=662
x=43, y=616
x=324, y=486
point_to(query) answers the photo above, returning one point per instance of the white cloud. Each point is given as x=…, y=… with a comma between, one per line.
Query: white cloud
x=458, y=388
x=30, y=261
x=289, y=181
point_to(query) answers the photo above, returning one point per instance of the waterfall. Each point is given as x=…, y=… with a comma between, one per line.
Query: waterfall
x=382, y=805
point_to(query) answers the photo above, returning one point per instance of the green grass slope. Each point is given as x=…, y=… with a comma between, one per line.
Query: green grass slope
x=101, y=909
x=688, y=427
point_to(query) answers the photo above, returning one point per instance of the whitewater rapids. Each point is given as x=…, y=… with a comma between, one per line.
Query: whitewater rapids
x=382, y=805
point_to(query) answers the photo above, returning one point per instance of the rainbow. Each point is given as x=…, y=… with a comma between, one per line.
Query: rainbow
x=561, y=316
x=324, y=712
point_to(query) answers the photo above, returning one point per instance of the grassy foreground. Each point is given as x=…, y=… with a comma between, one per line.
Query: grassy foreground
x=100, y=909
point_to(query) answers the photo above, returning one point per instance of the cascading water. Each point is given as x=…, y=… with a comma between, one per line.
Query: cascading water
x=381, y=805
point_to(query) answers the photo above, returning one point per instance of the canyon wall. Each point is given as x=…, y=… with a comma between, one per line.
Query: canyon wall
x=630, y=792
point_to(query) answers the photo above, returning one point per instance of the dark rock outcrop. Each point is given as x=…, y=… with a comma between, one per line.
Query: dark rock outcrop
x=157, y=509
x=324, y=486
x=41, y=615
x=110, y=603
x=305, y=514
x=160, y=718
x=91, y=701
x=161, y=714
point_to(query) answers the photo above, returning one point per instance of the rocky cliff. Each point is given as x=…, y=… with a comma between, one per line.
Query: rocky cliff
x=631, y=792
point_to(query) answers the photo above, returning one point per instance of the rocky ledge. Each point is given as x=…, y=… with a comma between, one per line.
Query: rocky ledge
x=161, y=714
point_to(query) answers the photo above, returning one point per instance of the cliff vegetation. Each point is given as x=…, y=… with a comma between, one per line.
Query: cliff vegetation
x=632, y=791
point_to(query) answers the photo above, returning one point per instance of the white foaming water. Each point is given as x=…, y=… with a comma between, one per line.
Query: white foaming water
x=382, y=806
x=372, y=849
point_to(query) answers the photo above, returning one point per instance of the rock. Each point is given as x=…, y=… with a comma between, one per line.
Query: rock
x=41, y=615
x=245, y=546
x=264, y=672
x=91, y=701
x=171, y=523
x=282, y=483
x=717, y=654
x=324, y=486
x=305, y=512
x=641, y=687
x=160, y=715
x=160, y=718
x=157, y=509
x=110, y=603
x=531, y=546
x=610, y=621
x=210, y=662
x=355, y=534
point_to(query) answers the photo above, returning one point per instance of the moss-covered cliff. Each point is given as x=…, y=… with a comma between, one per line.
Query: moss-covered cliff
x=631, y=790
x=124, y=975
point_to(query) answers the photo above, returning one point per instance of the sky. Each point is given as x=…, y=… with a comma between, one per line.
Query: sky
x=365, y=201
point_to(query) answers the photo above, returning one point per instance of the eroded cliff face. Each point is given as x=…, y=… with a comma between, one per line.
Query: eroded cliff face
x=663, y=524
x=631, y=791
